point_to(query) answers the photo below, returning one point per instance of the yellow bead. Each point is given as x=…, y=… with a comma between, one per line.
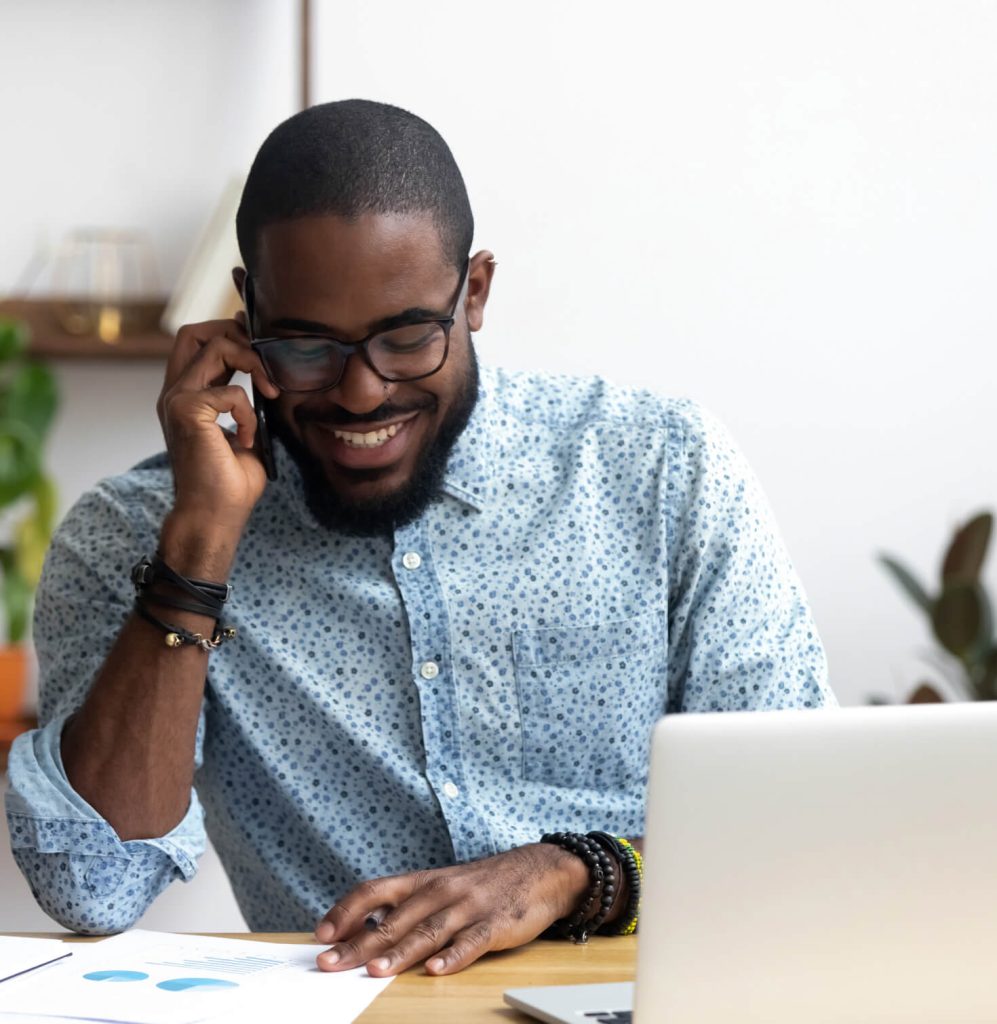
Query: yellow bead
x=173, y=640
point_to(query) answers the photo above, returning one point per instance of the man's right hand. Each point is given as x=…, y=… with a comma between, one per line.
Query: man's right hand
x=218, y=477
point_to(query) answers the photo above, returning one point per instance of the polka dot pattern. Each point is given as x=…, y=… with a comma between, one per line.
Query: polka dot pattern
x=597, y=557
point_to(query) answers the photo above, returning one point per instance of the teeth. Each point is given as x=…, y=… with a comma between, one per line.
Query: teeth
x=372, y=439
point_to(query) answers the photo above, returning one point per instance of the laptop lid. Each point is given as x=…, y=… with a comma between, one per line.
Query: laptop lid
x=822, y=866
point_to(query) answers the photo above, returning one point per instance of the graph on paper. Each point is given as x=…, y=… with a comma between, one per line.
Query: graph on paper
x=222, y=964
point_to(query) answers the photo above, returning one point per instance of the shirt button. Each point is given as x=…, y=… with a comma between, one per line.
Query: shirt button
x=451, y=790
x=411, y=560
x=429, y=670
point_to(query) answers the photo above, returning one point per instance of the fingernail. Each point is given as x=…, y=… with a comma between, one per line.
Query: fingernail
x=324, y=932
x=436, y=964
x=330, y=958
x=381, y=963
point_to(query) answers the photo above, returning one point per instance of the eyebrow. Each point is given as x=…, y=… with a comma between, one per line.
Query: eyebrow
x=407, y=316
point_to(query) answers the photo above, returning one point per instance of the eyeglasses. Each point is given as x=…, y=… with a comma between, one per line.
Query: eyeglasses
x=316, y=362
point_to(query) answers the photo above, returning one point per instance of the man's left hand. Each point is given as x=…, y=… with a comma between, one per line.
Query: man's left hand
x=451, y=916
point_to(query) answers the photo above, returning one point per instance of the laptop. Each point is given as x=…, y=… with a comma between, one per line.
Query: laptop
x=828, y=867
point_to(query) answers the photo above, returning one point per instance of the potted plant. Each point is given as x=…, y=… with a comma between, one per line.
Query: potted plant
x=960, y=612
x=28, y=400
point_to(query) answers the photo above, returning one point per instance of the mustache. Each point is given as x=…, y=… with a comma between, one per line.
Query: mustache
x=337, y=416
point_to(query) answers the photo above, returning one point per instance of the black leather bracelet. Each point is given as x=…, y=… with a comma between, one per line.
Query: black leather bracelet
x=151, y=571
x=180, y=604
x=177, y=636
x=598, y=901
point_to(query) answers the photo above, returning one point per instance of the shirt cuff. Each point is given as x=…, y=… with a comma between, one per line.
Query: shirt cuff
x=47, y=815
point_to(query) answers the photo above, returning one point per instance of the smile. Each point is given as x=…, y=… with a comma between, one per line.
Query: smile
x=372, y=439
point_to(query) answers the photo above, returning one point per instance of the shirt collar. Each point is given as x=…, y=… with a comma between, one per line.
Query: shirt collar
x=470, y=469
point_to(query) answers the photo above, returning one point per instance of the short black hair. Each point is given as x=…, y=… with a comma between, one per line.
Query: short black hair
x=353, y=157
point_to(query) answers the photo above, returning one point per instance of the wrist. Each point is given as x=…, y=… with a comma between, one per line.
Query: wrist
x=590, y=911
x=199, y=546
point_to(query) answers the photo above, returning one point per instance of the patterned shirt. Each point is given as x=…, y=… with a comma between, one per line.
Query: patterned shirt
x=597, y=557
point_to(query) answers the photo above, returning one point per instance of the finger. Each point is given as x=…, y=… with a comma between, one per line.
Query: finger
x=467, y=946
x=434, y=897
x=188, y=411
x=191, y=337
x=216, y=361
x=402, y=939
x=349, y=914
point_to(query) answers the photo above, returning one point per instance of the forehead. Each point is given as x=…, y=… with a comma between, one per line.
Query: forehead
x=371, y=262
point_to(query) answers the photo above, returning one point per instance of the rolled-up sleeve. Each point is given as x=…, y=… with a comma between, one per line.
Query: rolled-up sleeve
x=741, y=633
x=80, y=871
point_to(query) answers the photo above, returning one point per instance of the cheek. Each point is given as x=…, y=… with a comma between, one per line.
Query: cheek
x=282, y=414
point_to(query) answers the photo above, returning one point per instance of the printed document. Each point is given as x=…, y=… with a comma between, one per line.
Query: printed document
x=143, y=977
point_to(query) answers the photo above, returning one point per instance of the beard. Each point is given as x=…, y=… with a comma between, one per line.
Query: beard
x=381, y=514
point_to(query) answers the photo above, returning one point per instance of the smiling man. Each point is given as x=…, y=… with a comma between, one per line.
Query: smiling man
x=444, y=629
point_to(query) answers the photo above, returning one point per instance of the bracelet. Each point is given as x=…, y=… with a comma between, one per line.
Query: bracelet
x=633, y=867
x=180, y=604
x=632, y=872
x=602, y=888
x=177, y=636
x=208, y=596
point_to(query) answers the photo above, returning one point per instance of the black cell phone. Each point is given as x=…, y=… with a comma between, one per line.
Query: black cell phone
x=263, y=445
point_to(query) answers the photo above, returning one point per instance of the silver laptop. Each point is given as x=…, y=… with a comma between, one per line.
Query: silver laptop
x=827, y=867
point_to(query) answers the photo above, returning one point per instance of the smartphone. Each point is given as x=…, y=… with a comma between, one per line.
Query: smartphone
x=263, y=445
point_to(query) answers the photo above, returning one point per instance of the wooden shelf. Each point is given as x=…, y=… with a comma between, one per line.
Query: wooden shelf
x=50, y=341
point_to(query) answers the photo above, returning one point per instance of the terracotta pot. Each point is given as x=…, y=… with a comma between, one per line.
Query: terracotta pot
x=13, y=681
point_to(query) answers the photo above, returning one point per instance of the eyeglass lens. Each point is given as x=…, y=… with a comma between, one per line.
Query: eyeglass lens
x=307, y=363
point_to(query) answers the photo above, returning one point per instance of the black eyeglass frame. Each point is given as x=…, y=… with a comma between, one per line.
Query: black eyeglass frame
x=360, y=347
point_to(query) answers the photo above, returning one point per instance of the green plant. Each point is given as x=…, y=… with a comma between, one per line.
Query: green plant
x=961, y=613
x=28, y=400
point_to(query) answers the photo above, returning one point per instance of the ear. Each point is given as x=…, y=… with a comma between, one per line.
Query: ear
x=239, y=279
x=479, y=282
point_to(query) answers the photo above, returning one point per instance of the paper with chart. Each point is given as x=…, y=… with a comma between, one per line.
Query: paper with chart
x=20, y=955
x=145, y=977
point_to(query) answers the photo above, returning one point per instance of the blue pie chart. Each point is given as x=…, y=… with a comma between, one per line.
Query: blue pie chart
x=184, y=984
x=116, y=976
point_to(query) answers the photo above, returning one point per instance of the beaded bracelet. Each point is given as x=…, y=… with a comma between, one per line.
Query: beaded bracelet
x=633, y=868
x=632, y=872
x=602, y=889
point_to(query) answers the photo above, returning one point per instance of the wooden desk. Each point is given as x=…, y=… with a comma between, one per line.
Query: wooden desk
x=476, y=993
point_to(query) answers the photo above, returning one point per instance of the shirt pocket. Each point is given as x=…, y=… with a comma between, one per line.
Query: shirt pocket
x=589, y=697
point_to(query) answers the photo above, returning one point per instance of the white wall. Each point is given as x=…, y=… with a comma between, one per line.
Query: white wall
x=784, y=210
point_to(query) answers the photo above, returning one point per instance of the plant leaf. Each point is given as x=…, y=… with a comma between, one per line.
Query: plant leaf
x=31, y=397
x=31, y=541
x=907, y=581
x=17, y=603
x=968, y=549
x=13, y=339
x=20, y=454
x=962, y=620
x=46, y=502
x=926, y=694
x=986, y=681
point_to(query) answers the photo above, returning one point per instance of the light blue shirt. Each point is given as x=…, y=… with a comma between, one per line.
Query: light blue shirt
x=598, y=557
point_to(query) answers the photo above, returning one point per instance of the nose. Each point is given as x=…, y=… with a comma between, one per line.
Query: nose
x=360, y=389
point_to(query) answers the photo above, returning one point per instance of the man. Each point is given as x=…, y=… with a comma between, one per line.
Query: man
x=459, y=608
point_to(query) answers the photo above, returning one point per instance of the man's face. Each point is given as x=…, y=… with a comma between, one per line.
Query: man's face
x=344, y=278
